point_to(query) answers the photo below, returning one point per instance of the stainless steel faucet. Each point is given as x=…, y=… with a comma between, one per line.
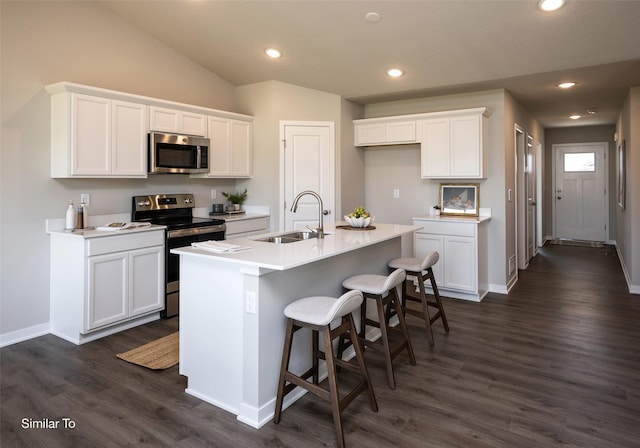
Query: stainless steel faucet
x=294, y=208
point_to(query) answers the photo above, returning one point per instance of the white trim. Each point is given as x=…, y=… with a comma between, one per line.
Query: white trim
x=633, y=289
x=24, y=334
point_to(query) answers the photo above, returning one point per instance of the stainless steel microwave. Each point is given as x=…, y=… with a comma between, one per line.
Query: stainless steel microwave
x=178, y=154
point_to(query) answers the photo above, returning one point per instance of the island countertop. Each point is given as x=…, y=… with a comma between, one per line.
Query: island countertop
x=287, y=256
x=232, y=320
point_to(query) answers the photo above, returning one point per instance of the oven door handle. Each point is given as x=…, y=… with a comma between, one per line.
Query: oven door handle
x=196, y=231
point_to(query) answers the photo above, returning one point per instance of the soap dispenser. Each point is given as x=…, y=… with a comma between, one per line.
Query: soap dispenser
x=70, y=223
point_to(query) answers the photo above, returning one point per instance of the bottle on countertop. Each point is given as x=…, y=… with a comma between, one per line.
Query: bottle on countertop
x=79, y=222
x=85, y=215
x=70, y=220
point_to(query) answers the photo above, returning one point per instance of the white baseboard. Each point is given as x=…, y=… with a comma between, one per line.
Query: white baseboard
x=24, y=334
x=633, y=289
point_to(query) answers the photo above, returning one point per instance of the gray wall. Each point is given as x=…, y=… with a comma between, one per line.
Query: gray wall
x=628, y=230
x=398, y=167
x=47, y=42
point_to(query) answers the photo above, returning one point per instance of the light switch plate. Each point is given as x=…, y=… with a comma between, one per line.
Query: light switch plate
x=86, y=198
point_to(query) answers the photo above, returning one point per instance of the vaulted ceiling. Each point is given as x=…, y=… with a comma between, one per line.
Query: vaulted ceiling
x=444, y=47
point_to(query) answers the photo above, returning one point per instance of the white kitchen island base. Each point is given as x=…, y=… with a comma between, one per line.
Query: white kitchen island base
x=231, y=311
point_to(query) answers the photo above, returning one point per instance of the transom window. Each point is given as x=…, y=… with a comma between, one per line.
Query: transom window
x=579, y=162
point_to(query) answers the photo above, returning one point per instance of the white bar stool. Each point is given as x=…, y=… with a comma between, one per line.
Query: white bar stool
x=382, y=289
x=422, y=270
x=317, y=313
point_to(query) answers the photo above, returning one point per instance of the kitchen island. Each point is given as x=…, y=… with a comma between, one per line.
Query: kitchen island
x=231, y=309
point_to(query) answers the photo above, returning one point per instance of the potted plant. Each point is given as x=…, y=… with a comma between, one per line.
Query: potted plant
x=237, y=198
x=436, y=210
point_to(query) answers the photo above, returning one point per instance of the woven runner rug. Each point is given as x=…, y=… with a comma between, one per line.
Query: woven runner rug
x=576, y=243
x=159, y=354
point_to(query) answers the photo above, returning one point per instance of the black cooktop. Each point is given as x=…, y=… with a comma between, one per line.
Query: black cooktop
x=185, y=223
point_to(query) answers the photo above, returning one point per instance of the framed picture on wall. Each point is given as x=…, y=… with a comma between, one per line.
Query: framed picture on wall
x=460, y=199
x=621, y=174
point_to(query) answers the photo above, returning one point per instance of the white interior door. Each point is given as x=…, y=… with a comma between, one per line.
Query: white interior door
x=580, y=194
x=531, y=191
x=308, y=164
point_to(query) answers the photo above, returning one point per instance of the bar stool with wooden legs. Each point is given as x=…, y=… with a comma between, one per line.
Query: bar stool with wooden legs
x=382, y=289
x=317, y=313
x=422, y=270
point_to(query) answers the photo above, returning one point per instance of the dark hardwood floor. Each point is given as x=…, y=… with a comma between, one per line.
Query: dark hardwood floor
x=554, y=363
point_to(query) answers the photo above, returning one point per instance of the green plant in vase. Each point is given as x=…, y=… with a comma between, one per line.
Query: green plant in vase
x=237, y=198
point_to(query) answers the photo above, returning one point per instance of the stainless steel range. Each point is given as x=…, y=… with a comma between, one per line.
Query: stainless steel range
x=176, y=212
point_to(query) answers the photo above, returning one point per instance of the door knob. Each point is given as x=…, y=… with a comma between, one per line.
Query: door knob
x=559, y=197
x=326, y=212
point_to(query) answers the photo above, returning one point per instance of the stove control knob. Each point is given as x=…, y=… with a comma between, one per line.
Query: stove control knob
x=188, y=201
x=144, y=203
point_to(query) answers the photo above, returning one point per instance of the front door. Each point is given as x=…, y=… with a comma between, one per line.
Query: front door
x=580, y=194
x=308, y=159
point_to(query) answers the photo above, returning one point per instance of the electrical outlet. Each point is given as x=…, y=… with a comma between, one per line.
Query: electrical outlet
x=250, y=302
x=214, y=194
x=396, y=193
x=86, y=198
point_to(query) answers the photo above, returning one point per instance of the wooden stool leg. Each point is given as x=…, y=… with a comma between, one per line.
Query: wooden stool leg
x=315, y=361
x=425, y=308
x=385, y=342
x=333, y=385
x=436, y=294
x=286, y=355
x=353, y=335
x=403, y=325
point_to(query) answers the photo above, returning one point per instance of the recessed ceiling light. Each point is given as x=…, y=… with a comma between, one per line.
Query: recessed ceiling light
x=550, y=5
x=575, y=117
x=566, y=85
x=395, y=72
x=373, y=17
x=272, y=53
x=592, y=111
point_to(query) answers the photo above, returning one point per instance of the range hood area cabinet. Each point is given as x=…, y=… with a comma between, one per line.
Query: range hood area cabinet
x=230, y=153
x=452, y=143
x=93, y=136
x=100, y=133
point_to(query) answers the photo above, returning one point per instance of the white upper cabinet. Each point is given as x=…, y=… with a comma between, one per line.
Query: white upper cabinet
x=453, y=143
x=384, y=131
x=104, y=133
x=129, y=139
x=178, y=121
x=454, y=146
x=230, y=150
x=93, y=136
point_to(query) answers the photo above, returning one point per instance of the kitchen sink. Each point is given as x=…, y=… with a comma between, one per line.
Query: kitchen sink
x=289, y=237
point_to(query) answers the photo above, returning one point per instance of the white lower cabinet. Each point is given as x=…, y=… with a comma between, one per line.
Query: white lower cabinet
x=461, y=271
x=105, y=284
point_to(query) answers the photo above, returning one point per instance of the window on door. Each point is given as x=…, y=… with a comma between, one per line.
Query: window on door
x=579, y=162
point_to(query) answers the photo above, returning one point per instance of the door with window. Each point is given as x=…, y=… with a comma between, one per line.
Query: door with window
x=580, y=194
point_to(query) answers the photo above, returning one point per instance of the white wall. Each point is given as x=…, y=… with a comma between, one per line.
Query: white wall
x=47, y=42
